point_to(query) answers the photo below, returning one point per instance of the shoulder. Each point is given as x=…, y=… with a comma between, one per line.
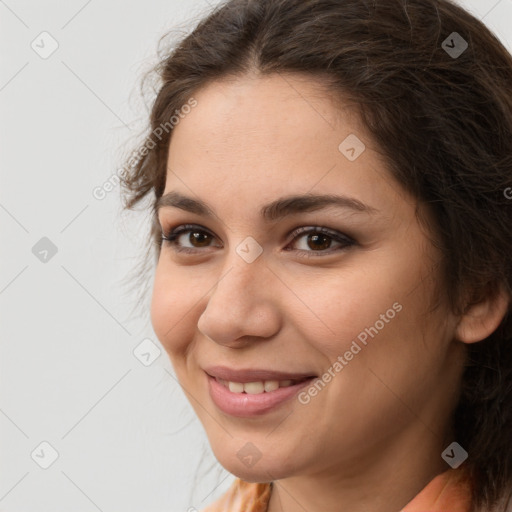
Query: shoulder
x=451, y=490
x=242, y=497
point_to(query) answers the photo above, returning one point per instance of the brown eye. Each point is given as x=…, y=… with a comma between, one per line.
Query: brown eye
x=197, y=238
x=200, y=238
x=189, y=238
x=318, y=240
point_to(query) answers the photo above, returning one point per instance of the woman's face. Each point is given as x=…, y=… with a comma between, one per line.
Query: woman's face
x=270, y=294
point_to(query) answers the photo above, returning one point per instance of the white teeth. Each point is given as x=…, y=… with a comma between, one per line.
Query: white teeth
x=255, y=388
x=236, y=387
x=271, y=385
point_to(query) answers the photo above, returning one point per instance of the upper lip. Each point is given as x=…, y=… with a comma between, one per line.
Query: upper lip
x=253, y=374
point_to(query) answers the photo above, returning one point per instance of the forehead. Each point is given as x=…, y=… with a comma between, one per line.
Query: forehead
x=269, y=136
x=258, y=112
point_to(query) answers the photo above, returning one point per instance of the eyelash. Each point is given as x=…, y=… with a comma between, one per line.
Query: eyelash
x=170, y=239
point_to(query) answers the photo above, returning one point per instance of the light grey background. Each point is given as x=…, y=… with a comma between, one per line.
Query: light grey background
x=127, y=439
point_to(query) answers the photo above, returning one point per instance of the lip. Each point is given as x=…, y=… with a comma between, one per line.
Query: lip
x=245, y=405
x=253, y=375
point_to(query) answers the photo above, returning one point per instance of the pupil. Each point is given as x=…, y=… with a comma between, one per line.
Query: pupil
x=316, y=238
x=197, y=238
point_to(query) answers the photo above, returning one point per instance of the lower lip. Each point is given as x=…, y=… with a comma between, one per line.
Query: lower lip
x=246, y=405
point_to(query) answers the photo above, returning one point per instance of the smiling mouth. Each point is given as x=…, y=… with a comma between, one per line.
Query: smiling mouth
x=258, y=387
x=261, y=391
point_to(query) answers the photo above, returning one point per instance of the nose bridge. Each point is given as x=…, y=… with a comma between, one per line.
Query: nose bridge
x=240, y=279
x=240, y=303
x=244, y=266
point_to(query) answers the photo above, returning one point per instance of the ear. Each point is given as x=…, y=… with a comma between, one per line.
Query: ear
x=483, y=316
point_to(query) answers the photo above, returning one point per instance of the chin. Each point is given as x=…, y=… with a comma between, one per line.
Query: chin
x=261, y=471
x=257, y=474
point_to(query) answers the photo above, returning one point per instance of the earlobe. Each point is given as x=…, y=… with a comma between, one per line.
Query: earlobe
x=484, y=316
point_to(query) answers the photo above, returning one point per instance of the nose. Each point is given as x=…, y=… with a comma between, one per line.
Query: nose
x=242, y=305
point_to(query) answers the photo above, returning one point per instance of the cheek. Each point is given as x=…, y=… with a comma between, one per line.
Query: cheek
x=339, y=306
x=171, y=309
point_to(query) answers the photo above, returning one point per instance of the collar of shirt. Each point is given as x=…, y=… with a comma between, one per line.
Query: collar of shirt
x=448, y=491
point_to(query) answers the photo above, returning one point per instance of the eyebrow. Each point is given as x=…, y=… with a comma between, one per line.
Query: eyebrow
x=270, y=212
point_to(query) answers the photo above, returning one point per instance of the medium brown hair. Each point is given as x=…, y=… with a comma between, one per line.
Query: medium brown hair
x=443, y=122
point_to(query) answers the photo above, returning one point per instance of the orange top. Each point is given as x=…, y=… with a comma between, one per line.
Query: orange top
x=449, y=491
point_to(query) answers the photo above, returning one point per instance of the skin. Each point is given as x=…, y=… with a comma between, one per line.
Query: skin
x=372, y=438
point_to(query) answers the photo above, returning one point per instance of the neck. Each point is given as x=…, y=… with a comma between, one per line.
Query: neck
x=383, y=485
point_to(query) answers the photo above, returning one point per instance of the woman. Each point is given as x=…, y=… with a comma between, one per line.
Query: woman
x=333, y=235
